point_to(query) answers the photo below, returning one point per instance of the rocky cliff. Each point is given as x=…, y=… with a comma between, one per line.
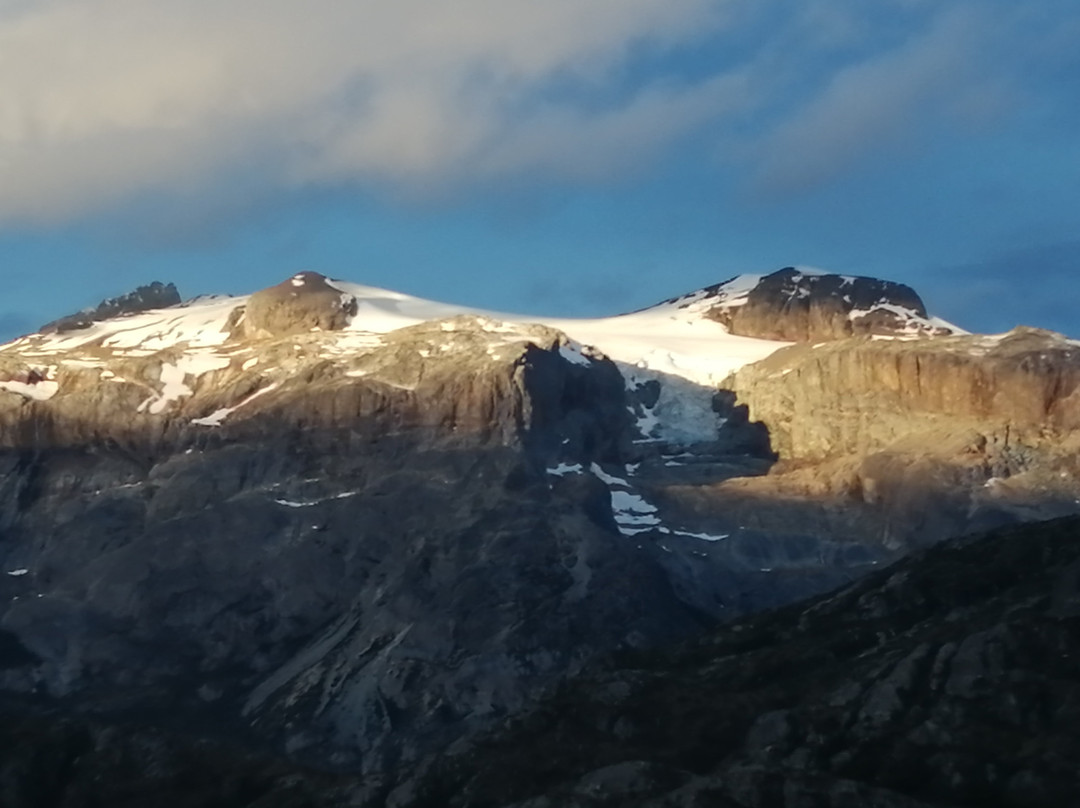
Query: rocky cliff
x=347, y=545
x=155, y=295
x=916, y=440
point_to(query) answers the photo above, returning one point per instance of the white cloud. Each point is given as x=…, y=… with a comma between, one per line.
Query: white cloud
x=100, y=99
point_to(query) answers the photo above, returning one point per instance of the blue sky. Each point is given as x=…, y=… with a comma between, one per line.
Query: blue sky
x=574, y=157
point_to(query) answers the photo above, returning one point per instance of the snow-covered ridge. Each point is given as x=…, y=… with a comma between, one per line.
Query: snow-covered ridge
x=671, y=342
x=667, y=339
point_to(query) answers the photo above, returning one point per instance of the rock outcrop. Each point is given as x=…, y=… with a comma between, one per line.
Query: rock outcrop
x=950, y=680
x=305, y=302
x=914, y=441
x=801, y=305
x=152, y=296
x=860, y=396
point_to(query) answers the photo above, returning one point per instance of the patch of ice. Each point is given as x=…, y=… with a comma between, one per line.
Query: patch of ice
x=566, y=468
x=702, y=536
x=215, y=418
x=632, y=513
x=572, y=353
x=291, y=504
x=605, y=477
x=40, y=391
x=174, y=376
x=683, y=413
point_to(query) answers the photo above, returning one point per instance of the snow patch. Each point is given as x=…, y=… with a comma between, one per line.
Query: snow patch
x=39, y=391
x=702, y=536
x=174, y=376
x=218, y=416
x=605, y=477
x=566, y=468
x=573, y=353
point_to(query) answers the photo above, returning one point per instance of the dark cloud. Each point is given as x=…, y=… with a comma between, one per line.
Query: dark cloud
x=1037, y=286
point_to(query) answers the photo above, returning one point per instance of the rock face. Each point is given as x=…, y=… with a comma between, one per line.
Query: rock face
x=800, y=305
x=305, y=302
x=914, y=441
x=950, y=679
x=860, y=396
x=152, y=296
x=347, y=546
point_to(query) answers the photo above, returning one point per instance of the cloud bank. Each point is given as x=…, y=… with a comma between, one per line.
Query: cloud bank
x=103, y=101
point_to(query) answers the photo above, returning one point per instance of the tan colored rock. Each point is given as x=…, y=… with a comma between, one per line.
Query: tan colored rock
x=301, y=304
x=859, y=396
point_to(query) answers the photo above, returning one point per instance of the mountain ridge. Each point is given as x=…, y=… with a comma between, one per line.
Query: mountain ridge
x=374, y=525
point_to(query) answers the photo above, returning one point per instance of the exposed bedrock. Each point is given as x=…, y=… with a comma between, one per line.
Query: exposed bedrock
x=448, y=378
x=913, y=441
x=155, y=295
x=303, y=303
x=358, y=566
x=798, y=306
x=860, y=396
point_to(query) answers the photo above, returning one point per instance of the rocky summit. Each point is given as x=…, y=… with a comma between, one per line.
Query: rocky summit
x=336, y=527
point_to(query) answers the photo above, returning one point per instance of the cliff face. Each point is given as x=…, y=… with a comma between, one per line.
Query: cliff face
x=348, y=545
x=860, y=396
x=917, y=440
x=152, y=296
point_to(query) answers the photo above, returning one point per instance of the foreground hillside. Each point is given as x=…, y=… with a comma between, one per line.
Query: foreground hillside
x=950, y=679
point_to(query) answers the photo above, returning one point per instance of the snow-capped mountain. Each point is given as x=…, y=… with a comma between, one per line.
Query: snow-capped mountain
x=361, y=525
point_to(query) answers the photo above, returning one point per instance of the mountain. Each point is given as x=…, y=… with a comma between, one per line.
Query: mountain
x=356, y=527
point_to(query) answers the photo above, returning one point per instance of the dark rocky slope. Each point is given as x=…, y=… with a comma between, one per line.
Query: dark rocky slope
x=949, y=679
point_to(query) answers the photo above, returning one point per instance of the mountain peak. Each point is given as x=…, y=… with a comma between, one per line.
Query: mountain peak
x=798, y=304
x=305, y=302
x=156, y=295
